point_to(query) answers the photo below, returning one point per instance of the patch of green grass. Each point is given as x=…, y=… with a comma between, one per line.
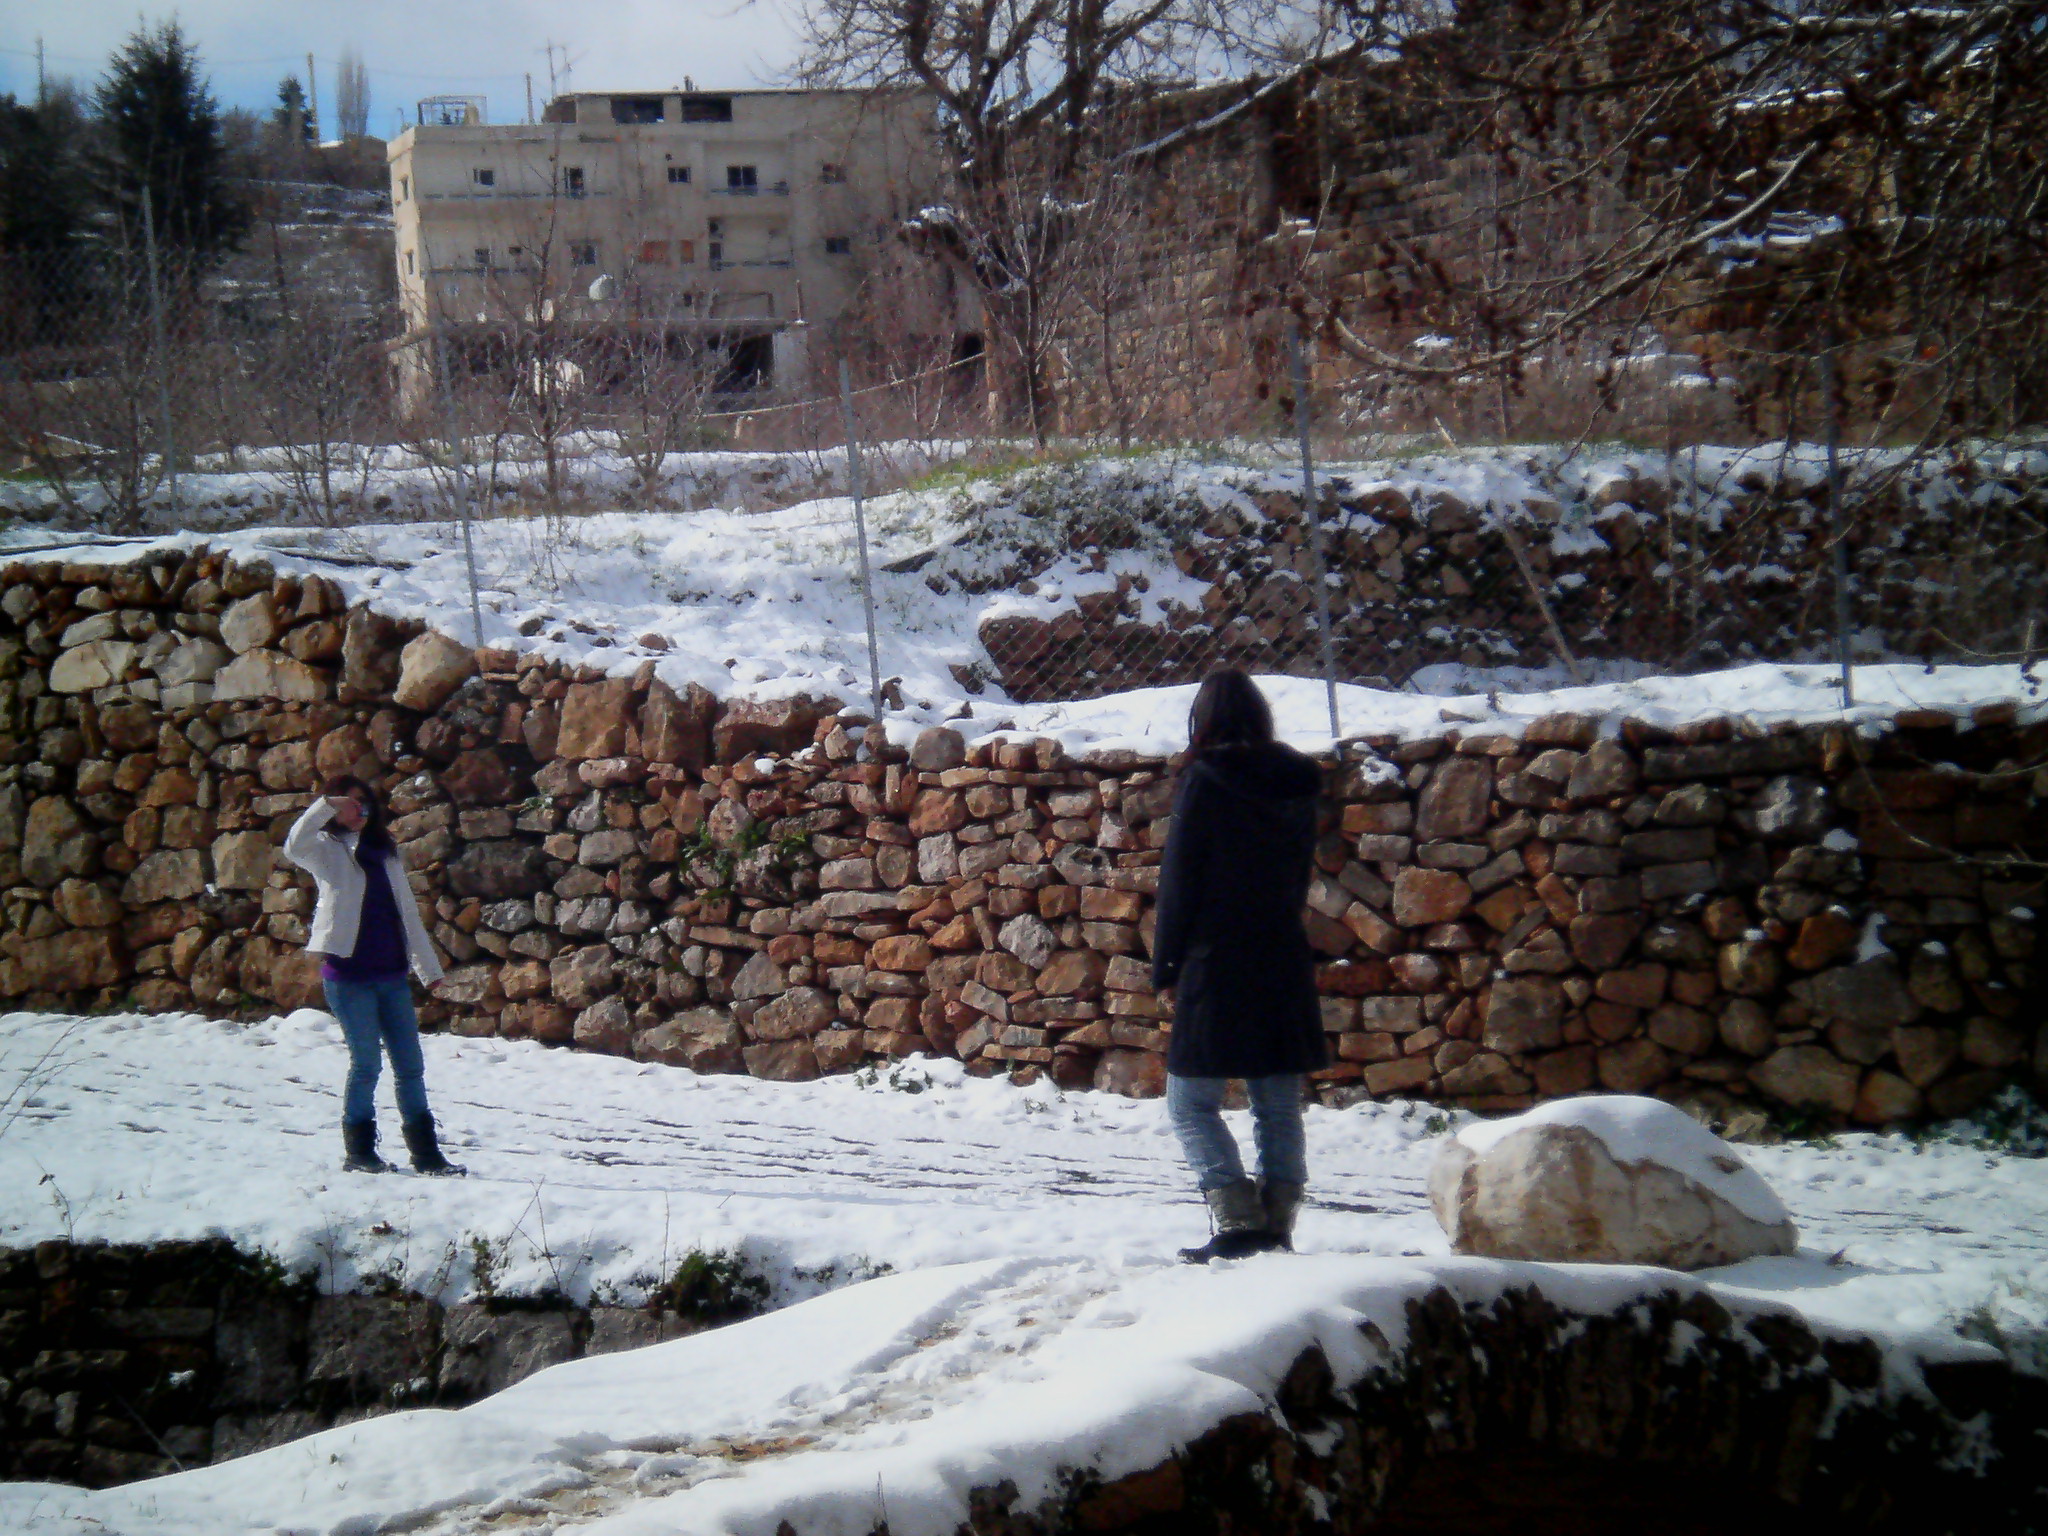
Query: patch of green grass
x=257, y=1271
x=2014, y=1123
x=1795, y=1124
x=713, y=1288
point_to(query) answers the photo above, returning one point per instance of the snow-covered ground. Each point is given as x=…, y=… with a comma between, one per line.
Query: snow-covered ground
x=282, y=485
x=1035, y=1318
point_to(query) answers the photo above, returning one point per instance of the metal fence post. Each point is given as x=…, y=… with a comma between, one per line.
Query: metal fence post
x=167, y=442
x=456, y=458
x=1312, y=514
x=1838, y=533
x=860, y=529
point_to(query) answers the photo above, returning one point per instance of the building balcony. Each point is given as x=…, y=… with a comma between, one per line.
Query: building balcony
x=775, y=189
x=722, y=265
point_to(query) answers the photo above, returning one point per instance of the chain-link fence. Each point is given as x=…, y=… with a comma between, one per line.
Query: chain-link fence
x=139, y=392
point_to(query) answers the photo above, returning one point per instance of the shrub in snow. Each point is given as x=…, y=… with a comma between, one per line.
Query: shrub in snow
x=1606, y=1180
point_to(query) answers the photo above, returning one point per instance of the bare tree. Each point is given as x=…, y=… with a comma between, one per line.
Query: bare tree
x=317, y=387
x=352, y=95
x=89, y=417
x=656, y=372
x=1020, y=86
x=1809, y=175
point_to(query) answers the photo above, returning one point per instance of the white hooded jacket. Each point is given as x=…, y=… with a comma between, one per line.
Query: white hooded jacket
x=331, y=861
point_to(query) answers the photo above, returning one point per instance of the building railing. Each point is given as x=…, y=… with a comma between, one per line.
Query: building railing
x=500, y=193
x=722, y=265
x=777, y=189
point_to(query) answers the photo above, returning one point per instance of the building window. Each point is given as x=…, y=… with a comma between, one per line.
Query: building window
x=583, y=253
x=404, y=188
x=514, y=256
x=839, y=245
x=832, y=175
x=572, y=180
x=679, y=175
x=408, y=263
x=483, y=258
x=653, y=253
x=742, y=178
x=636, y=109
x=707, y=109
x=484, y=177
x=717, y=252
x=686, y=252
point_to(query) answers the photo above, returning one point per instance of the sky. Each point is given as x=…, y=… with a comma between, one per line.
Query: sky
x=418, y=48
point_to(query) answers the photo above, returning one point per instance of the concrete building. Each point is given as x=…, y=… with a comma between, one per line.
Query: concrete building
x=726, y=222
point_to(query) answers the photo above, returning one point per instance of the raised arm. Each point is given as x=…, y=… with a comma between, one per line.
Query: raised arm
x=307, y=846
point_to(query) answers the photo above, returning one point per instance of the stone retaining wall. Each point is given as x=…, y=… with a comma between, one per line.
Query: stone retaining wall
x=768, y=887
x=120, y=1362
x=124, y=1362
x=1677, y=1414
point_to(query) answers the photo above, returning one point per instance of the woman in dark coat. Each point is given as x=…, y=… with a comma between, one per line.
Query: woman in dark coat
x=1230, y=944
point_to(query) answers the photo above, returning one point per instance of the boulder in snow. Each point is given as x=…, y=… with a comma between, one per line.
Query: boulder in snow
x=1615, y=1179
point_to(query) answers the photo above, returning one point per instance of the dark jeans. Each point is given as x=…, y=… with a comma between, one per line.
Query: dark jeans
x=376, y=1016
x=1194, y=1106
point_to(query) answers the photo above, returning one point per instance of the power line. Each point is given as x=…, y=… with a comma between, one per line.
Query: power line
x=274, y=58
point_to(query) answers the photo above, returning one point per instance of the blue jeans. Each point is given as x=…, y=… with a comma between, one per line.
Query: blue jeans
x=1194, y=1105
x=376, y=1016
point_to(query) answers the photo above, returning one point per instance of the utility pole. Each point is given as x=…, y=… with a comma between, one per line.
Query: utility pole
x=312, y=100
x=41, y=86
x=529, y=96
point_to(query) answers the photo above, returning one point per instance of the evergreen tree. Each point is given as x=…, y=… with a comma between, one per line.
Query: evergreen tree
x=41, y=204
x=161, y=132
x=291, y=116
x=42, y=210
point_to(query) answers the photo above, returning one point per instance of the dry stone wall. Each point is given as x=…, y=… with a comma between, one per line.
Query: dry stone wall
x=1807, y=919
x=120, y=1362
x=123, y=1361
x=1662, y=563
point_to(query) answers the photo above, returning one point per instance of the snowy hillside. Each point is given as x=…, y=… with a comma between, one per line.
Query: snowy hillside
x=768, y=604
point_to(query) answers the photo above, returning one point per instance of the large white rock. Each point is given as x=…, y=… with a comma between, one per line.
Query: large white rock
x=96, y=664
x=192, y=659
x=431, y=667
x=101, y=626
x=262, y=674
x=1612, y=1179
x=250, y=623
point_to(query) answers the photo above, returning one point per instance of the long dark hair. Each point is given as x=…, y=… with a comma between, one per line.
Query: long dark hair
x=1229, y=711
x=375, y=833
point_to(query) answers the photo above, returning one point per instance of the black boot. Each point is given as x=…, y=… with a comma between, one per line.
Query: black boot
x=1281, y=1200
x=359, y=1143
x=1240, y=1225
x=426, y=1149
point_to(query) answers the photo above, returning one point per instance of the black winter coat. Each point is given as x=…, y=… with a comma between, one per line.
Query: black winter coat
x=1229, y=935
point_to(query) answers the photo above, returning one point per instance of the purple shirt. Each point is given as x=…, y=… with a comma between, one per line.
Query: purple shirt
x=380, y=934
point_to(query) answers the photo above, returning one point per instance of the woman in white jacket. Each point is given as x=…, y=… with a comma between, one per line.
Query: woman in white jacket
x=367, y=925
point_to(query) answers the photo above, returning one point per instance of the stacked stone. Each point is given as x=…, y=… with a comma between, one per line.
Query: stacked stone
x=795, y=909
x=1679, y=913
x=126, y=1361
x=1421, y=583
x=771, y=887
x=1424, y=578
